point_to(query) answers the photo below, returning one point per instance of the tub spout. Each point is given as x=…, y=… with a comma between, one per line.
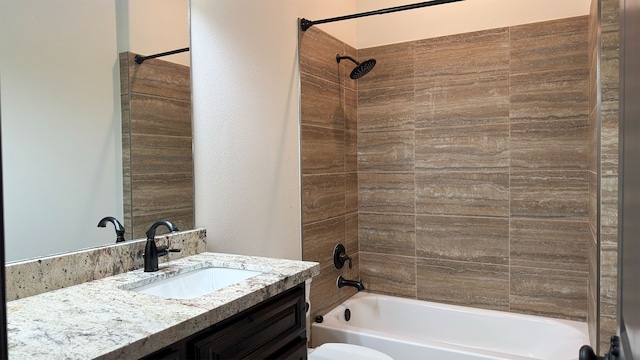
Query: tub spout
x=344, y=282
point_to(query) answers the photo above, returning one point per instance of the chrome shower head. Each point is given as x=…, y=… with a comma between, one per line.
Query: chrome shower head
x=361, y=69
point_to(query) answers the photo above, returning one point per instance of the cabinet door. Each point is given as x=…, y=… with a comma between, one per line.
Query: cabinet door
x=260, y=332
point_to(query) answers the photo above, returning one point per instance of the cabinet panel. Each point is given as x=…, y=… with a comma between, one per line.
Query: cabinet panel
x=273, y=329
x=255, y=334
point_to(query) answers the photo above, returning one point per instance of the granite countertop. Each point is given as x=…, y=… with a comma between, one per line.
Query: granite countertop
x=101, y=319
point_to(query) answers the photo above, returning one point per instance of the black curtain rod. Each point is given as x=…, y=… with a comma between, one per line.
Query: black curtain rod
x=305, y=24
x=140, y=59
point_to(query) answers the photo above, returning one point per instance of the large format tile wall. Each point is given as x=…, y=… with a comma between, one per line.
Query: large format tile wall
x=472, y=169
x=604, y=53
x=156, y=144
x=329, y=167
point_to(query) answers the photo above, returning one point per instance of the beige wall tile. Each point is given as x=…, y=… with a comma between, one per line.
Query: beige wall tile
x=320, y=238
x=323, y=197
x=482, y=240
x=387, y=234
x=351, y=192
x=321, y=103
x=549, y=45
x=350, y=151
x=351, y=234
x=473, y=55
x=609, y=145
x=553, y=293
x=609, y=204
x=394, y=66
x=388, y=274
x=386, y=151
x=318, y=51
x=478, y=147
x=464, y=102
x=550, y=145
x=350, y=109
x=157, y=154
x=387, y=109
x=464, y=283
x=559, y=245
x=323, y=150
x=550, y=194
x=160, y=116
x=386, y=193
x=160, y=78
x=463, y=193
x=551, y=95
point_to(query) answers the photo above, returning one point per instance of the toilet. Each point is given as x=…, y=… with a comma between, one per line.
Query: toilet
x=337, y=351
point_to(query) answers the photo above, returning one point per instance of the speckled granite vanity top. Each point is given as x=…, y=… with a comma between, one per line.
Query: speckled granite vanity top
x=101, y=319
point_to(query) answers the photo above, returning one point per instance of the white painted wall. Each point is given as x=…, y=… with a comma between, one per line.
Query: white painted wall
x=157, y=26
x=245, y=100
x=246, y=135
x=455, y=18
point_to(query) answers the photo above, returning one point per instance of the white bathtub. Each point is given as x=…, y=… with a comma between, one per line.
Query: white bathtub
x=413, y=329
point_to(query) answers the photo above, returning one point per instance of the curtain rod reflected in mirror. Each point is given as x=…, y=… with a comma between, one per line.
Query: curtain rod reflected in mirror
x=140, y=59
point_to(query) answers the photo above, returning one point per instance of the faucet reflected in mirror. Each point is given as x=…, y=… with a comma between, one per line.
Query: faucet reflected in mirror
x=118, y=226
x=151, y=252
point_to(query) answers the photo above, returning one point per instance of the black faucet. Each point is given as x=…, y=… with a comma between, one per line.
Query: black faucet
x=151, y=252
x=344, y=282
x=119, y=228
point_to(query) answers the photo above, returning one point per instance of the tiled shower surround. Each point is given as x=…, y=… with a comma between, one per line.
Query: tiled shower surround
x=456, y=171
x=156, y=144
x=604, y=83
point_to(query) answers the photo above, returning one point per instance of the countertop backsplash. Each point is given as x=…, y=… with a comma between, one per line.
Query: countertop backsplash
x=40, y=275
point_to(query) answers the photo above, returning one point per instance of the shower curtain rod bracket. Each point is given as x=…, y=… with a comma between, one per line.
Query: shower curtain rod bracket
x=140, y=59
x=306, y=24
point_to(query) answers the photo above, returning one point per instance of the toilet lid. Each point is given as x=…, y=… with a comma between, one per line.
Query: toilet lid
x=333, y=351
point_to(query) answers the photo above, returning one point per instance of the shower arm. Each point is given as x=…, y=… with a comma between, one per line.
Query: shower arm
x=338, y=58
x=305, y=24
x=140, y=59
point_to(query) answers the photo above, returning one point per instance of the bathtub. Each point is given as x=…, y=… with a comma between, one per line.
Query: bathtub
x=412, y=329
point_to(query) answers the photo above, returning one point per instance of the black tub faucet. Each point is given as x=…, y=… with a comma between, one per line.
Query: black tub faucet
x=119, y=228
x=151, y=252
x=344, y=282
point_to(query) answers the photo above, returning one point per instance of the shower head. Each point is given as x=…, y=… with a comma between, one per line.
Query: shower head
x=361, y=69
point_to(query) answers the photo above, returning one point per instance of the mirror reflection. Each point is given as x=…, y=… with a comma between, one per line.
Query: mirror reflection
x=69, y=97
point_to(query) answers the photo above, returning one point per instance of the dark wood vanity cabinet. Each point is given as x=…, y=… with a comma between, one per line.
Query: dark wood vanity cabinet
x=273, y=329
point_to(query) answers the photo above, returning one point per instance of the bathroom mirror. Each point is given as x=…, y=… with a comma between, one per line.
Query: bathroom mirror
x=61, y=114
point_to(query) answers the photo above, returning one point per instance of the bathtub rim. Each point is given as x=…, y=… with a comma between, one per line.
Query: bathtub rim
x=333, y=320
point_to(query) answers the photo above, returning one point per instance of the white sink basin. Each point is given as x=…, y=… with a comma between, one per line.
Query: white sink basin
x=196, y=283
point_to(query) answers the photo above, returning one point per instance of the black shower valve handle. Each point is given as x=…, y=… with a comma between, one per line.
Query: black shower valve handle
x=344, y=257
x=340, y=257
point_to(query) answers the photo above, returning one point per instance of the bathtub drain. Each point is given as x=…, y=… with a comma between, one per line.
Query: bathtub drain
x=347, y=314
